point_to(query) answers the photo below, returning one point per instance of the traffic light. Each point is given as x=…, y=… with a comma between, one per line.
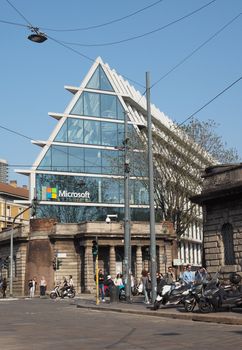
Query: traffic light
x=58, y=264
x=5, y=263
x=94, y=248
x=54, y=263
x=34, y=206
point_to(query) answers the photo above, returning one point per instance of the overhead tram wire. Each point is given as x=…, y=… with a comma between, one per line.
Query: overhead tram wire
x=210, y=101
x=144, y=34
x=106, y=23
x=30, y=26
x=191, y=54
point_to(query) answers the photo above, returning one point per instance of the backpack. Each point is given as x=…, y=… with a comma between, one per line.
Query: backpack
x=30, y=284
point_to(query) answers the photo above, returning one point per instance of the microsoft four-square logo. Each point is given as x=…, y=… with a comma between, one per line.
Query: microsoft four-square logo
x=49, y=193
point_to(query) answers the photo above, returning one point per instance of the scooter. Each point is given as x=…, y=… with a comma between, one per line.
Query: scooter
x=171, y=294
x=68, y=292
x=219, y=296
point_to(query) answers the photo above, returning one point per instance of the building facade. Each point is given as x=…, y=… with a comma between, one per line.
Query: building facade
x=51, y=249
x=221, y=202
x=79, y=173
x=9, y=193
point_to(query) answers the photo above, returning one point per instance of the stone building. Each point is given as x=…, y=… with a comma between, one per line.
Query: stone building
x=36, y=247
x=222, y=228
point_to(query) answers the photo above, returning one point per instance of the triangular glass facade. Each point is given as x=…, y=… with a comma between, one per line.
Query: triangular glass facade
x=85, y=161
x=99, y=81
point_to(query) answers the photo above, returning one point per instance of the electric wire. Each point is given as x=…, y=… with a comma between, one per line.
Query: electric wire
x=191, y=54
x=14, y=23
x=210, y=101
x=144, y=34
x=20, y=14
x=103, y=24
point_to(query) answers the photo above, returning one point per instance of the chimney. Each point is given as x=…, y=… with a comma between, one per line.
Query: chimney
x=13, y=183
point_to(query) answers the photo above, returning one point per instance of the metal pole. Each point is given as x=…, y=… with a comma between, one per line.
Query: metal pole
x=151, y=194
x=127, y=240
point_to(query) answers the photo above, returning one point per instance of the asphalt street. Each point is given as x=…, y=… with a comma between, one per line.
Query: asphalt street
x=44, y=324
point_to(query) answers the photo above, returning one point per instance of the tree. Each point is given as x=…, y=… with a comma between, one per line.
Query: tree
x=204, y=134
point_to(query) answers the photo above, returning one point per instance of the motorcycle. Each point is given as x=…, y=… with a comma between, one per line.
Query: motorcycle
x=67, y=292
x=171, y=294
x=218, y=296
x=193, y=297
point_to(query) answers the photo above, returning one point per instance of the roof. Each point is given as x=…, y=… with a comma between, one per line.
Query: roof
x=8, y=190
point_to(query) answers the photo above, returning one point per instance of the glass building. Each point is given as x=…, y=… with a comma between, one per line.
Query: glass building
x=79, y=173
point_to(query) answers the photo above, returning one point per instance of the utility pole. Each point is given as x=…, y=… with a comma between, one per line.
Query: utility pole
x=127, y=238
x=151, y=194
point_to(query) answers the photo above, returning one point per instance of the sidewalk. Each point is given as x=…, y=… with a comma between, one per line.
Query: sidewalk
x=139, y=308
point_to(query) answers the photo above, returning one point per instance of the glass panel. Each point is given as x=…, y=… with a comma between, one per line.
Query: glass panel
x=104, y=82
x=109, y=134
x=108, y=106
x=92, y=161
x=141, y=195
x=45, y=163
x=120, y=135
x=110, y=162
x=76, y=159
x=94, y=81
x=91, y=104
x=62, y=134
x=75, y=130
x=120, y=110
x=92, y=132
x=78, y=108
x=110, y=191
x=59, y=158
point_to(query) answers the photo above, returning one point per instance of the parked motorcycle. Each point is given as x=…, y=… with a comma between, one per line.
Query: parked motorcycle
x=218, y=296
x=194, y=295
x=171, y=294
x=57, y=292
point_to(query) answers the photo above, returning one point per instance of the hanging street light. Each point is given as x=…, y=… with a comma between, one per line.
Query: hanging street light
x=37, y=36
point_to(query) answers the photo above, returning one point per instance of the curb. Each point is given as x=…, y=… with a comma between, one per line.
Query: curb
x=232, y=320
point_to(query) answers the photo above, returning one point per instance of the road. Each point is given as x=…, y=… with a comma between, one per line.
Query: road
x=44, y=324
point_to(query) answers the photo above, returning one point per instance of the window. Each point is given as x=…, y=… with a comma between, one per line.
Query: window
x=75, y=130
x=92, y=134
x=228, y=242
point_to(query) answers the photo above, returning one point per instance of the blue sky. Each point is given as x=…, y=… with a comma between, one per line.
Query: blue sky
x=33, y=75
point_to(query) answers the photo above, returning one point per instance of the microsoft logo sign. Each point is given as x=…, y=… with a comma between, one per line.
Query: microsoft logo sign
x=53, y=193
x=49, y=193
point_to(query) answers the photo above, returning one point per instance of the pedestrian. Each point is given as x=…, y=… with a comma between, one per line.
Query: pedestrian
x=144, y=282
x=32, y=286
x=4, y=287
x=201, y=275
x=184, y=268
x=43, y=286
x=170, y=277
x=188, y=275
x=101, y=284
x=64, y=287
x=70, y=282
x=118, y=281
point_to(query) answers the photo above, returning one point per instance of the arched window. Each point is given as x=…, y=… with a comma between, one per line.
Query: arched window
x=228, y=242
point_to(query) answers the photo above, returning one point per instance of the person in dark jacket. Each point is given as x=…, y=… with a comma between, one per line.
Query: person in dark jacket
x=4, y=287
x=101, y=284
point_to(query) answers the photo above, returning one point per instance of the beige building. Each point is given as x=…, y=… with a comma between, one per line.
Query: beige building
x=9, y=193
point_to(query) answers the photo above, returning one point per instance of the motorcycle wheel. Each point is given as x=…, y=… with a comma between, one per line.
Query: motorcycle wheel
x=156, y=305
x=122, y=296
x=72, y=295
x=204, y=306
x=189, y=307
x=53, y=295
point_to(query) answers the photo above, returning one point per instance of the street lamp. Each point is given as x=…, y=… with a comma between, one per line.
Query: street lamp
x=37, y=36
